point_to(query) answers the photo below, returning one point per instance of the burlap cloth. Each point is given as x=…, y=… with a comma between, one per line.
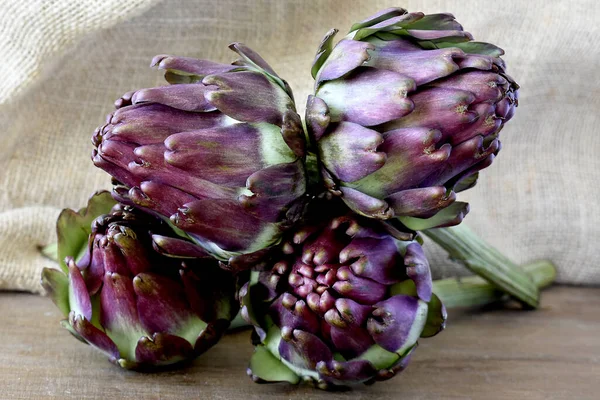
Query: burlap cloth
x=65, y=62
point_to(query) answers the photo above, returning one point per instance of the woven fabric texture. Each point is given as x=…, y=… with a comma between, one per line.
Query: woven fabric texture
x=65, y=63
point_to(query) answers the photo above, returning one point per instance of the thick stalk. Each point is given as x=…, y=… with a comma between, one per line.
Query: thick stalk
x=476, y=291
x=463, y=245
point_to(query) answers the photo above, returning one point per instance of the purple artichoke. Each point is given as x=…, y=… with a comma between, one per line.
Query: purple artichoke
x=407, y=109
x=344, y=303
x=140, y=308
x=218, y=154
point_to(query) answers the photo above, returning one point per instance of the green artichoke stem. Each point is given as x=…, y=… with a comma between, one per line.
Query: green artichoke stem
x=463, y=245
x=476, y=291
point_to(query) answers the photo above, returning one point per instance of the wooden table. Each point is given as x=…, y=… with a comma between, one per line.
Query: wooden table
x=492, y=353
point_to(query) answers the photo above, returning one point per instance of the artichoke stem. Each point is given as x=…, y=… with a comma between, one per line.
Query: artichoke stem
x=476, y=291
x=462, y=244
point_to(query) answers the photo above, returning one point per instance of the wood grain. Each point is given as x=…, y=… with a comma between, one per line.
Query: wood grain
x=492, y=353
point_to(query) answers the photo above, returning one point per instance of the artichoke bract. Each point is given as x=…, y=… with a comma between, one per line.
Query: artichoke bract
x=407, y=109
x=344, y=303
x=218, y=153
x=140, y=308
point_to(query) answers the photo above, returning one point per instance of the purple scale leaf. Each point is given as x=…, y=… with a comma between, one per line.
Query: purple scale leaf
x=487, y=123
x=79, y=298
x=248, y=96
x=94, y=274
x=304, y=350
x=179, y=248
x=421, y=202
x=392, y=321
x=361, y=290
x=417, y=269
x=351, y=341
x=114, y=260
x=346, y=371
x=187, y=97
x=376, y=259
x=149, y=123
x=132, y=249
x=300, y=316
x=325, y=247
x=118, y=308
x=413, y=154
x=463, y=156
x=163, y=199
x=317, y=117
x=293, y=133
x=352, y=312
x=226, y=223
x=163, y=307
x=443, y=109
x=162, y=349
x=366, y=205
x=274, y=188
x=350, y=151
x=223, y=155
x=485, y=86
x=189, y=66
x=395, y=56
x=94, y=336
x=346, y=56
x=368, y=97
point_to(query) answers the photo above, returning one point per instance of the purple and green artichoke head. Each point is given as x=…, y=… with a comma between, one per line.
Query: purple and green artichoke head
x=219, y=153
x=140, y=308
x=345, y=303
x=407, y=109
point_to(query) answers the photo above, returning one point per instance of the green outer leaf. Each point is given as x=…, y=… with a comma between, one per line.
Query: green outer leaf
x=466, y=183
x=391, y=13
x=436, y=318
x=379, y=357
x=73, y=228
x=383, y=359
x=267, y=367
x=56, y=284
x=406, y=287
x=51, y=251
x=323, y=52
x=483, y=48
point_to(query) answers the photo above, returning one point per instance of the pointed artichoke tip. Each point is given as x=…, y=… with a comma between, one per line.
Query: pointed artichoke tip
x=157, y=60
x=235, y=46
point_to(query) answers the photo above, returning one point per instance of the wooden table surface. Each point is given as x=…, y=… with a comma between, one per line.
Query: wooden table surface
x=491, y=353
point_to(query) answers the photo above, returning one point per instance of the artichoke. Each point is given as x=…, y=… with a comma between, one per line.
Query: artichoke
x=344, y=302
x=407, y=109
x=140, y=308
x=218, y=154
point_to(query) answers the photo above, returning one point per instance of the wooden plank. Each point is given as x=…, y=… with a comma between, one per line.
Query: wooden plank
x=552, y=353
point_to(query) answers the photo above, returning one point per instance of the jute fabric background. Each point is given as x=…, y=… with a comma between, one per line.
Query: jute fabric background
x=64, y=63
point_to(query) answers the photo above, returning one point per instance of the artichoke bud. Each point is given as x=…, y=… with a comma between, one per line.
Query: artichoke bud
x=407, y=109
x=139, y=307
x=218, y=154
x=349, y=308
